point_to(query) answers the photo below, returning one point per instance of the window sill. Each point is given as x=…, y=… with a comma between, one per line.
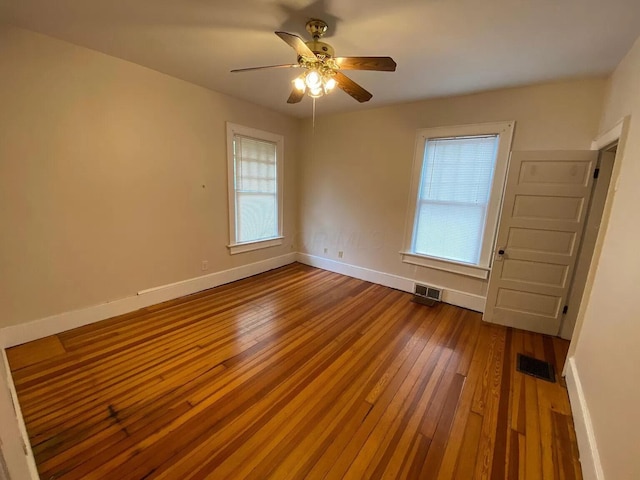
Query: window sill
x=446, y=265
x=257, y=245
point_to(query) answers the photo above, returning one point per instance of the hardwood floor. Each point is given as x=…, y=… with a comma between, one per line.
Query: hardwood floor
x=296, y=373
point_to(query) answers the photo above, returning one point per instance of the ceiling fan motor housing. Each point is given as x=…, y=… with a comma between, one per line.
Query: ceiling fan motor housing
x=321, y=49
x=317, y=28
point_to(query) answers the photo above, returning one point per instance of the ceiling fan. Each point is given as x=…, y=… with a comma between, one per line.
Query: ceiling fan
x=322, y=68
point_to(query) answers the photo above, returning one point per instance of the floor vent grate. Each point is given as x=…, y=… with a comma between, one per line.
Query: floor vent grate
x=537, y=368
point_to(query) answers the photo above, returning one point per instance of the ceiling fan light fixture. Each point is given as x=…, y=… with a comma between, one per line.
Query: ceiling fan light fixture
x=300, y=84
x=315, y=92
x=329, y=84
x=313, y=79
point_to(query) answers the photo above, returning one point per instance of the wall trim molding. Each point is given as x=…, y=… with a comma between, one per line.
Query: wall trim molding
x=454, y=297
x=30, y=459
x=587, y=446
x=52, y=325
x=608, y=137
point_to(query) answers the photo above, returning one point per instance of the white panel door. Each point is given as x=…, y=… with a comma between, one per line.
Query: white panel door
x=545, y=204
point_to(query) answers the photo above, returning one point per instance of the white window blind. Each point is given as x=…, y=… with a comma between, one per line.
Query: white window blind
x=256, y=189
x=453, y=197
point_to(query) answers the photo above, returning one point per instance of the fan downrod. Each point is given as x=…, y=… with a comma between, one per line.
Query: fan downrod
x=317, y=28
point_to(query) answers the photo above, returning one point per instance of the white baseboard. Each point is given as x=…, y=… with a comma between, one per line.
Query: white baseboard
x=454, y=297
x=589, y=457
x=26, y=332
x=374, y=276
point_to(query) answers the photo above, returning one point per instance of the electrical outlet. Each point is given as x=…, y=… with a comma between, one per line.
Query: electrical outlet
x=205, y=265
x=340, y=254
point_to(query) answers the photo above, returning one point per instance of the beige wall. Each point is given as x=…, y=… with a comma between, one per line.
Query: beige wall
x=355, y=173
x=606, y=351
x=102, y=168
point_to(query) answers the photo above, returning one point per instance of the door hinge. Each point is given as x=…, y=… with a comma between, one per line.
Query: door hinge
x=565, y=309
x=596, y=172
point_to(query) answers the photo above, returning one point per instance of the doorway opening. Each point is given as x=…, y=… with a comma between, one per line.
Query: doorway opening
x=600, y=190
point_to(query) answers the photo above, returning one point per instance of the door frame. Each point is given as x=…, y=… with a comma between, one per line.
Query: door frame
x=591, y=229
x=618, y=133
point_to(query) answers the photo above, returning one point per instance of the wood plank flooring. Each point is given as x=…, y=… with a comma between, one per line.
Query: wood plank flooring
x=295, y=373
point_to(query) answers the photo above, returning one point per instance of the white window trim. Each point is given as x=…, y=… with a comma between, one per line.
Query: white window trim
x=257, y=245
x=445, y=265
x=241, y=247
x=505, y=132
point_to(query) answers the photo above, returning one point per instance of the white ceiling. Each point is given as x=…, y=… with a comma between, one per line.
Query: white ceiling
x=442, y=47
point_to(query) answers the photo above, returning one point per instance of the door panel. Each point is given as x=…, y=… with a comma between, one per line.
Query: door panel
x=558, y=173
x=534, y=272
x=559, y=208
x=541, y=242
x=539, y=232
x=522, y=302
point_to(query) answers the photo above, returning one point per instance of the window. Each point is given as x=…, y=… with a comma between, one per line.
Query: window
x=255, y=188
x=457, y=184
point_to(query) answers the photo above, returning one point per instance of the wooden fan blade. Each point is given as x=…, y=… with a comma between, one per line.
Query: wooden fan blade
x=262, y=68
x=381, y=64
x=297, y=44
x=352, y=88
x=296, y=96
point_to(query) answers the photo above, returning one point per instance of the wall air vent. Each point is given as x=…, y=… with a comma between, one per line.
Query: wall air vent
x=426, y=295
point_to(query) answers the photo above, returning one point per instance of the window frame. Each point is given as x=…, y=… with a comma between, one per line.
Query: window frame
x=504, y=131
x=253, y=133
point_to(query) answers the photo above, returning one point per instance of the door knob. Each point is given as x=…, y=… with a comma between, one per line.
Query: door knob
x=500, y=252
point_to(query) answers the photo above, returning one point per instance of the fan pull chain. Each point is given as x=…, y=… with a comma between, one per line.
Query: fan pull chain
x=313, y=129
x=314, y=115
